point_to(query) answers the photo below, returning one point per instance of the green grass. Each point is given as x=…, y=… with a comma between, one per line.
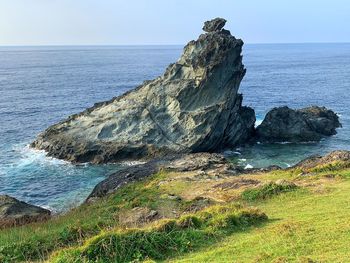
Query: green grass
x=330, y=167
x=167, y=238
x=266, y=191
x=308, y=222
x=37, y=241
x=304, y=226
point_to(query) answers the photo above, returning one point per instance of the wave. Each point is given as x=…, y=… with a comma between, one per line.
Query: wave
x=258, y=122
x=131, y=163
x=248, y=166
x=29, y=156
x=229, y=152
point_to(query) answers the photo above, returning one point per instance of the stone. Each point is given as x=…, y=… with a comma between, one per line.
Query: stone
x=196, y=161
x=213, y=25
x=283, y=124
x=330, y=158
x=14, y=212
x=177, y=163
x=193, y=107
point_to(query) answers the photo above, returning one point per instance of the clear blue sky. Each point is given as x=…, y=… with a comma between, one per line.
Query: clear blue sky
x=99, y=22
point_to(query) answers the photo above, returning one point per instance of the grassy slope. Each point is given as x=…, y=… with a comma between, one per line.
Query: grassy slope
x=310, y=222
x=304, y=227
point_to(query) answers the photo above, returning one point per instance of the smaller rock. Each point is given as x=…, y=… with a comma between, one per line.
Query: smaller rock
x=214, y=25
x=196, y=161
x=14, y=212
x=151, y=215
x=283, y=124
x=137, y=216
x=173, y=197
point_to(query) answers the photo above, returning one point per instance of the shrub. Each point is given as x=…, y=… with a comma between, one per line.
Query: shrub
x=266, y=191
x=167, y=238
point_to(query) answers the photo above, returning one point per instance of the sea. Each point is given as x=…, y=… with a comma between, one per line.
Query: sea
x=41, y=85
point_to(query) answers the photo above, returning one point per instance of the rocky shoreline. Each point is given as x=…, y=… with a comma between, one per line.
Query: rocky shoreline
x=202, y=166
x=178, y=121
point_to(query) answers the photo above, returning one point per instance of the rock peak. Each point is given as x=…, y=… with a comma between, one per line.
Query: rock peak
x=213, y=25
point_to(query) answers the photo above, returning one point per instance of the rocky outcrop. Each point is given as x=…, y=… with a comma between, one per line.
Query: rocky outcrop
x=184, y=163
x=287, y=125
x=341, y=158
x=205, y=165
x=14, y=212
x=193, y=107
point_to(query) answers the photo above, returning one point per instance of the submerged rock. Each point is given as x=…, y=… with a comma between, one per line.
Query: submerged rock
x=14, y=212
x=287, y=125
x=193, y=107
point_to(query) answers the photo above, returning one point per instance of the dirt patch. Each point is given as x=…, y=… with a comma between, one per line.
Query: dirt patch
x=137, y=216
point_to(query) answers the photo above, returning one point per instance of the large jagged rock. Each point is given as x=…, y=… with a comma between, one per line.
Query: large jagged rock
x=14, y=212
x=193, y=107
x=287, y=125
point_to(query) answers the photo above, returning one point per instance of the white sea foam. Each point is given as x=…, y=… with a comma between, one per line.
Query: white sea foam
x=132, y=163
x=230, y=152
x=248, y=166
x=30, y=156
x=288, y=165
x=258, y=122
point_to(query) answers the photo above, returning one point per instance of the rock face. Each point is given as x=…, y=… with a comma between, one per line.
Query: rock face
x=14, y=212
x=287, y=125
x=193, y=107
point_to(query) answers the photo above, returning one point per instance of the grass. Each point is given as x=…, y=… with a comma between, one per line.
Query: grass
x=37, y=241
x=304, y=226
x=267, y=190
x=308, y=222
x=167, y=238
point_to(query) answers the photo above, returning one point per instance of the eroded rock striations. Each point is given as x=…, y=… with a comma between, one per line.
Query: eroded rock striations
x=193, y=107
x=283, y=124
x=14, y=212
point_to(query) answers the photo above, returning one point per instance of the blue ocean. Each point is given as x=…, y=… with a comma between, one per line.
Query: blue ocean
x=40, y=86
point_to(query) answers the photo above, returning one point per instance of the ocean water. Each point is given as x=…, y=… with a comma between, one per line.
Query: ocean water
x=42, y=85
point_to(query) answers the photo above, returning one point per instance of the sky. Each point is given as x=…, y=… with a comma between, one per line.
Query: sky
x=147, y=22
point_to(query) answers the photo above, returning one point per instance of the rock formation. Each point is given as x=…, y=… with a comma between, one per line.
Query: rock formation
x=204, y=165
x=287, y=125
x=14, y=212
x=340, y=159
x=203, y=162
x=193, y=107
x=214, y=25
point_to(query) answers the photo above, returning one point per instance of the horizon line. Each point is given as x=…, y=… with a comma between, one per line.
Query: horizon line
x=106, y=45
